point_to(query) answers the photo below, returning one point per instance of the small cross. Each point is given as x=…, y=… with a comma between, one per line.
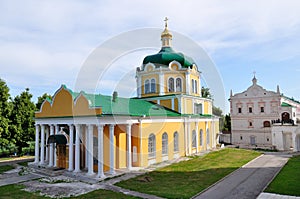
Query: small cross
x=254, y=73
x=166, y=22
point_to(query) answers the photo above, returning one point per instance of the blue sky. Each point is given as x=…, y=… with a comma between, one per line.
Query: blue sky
x=44, y=44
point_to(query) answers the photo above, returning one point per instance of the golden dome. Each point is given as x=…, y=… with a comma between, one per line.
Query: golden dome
x=166, y=32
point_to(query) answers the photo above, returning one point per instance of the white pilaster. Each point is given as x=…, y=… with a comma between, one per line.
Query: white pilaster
x=187, y=82
x=161, y=83
x=42, y=144
x=51, y=147
x=173, y=104
x=47, y=145
x=55, y=152
x=128, y=132
x=111, y=149
x=295, y=147
x=36, y=154
x=77, y=149
x=139, y=85
x=199, y=86
x=71, y=139
x=90, y=150
x=100, y=152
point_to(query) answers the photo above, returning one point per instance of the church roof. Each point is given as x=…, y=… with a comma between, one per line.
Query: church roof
x=127, y=106
x=167, y=55
x=109, y=105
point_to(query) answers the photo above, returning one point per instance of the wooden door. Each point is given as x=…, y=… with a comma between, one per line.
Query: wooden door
x=61, y=156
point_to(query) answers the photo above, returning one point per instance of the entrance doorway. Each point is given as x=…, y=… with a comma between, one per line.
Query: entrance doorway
x=285, y=116
x=61, y=156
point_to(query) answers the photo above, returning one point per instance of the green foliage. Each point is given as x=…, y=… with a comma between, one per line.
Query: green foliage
x=227, y=123
x=5, y=168
x=217, y=111
x=4, y=114
x=22, y=120
x=287, y=181
x=205, y=92
x=41, y=99
x=187, y=178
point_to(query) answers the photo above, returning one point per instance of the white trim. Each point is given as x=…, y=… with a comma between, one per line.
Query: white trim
x=173, y=104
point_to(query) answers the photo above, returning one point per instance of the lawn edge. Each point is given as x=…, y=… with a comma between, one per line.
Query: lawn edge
x=222, y=179
x=274, y=178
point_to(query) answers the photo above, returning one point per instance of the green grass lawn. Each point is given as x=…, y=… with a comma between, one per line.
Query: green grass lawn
x=15, y=191
x=287, y=182
x=5, y=168
x=187, y=178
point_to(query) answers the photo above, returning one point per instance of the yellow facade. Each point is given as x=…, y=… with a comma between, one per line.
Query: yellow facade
x=177, y=87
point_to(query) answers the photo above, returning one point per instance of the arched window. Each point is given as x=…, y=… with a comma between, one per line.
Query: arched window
x=176, y=146
x=178, y=85
x=151, y=146
x=201, y=137
x=196, y=87
x=147, y=86
x=165, y=144
x=194, y=137
x=267, y=124
x=207, y=136
x=153, y=86
x=171, y=84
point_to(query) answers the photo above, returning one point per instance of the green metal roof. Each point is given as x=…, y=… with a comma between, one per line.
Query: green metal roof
x=284, y=104
x=167, y=55
x=127, y=106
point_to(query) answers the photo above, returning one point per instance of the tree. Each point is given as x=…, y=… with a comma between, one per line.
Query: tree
x=217, y=111
x=41, y=99
x=4, y=114
x=205, y=92
x=227, y=122
x=22, y=120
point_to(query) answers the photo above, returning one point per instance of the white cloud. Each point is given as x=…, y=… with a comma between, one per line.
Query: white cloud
x=46, y=42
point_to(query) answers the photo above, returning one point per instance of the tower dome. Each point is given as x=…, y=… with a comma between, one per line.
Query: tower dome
x=167, y=54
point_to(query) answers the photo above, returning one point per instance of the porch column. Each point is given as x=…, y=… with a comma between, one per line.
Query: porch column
x=51, y=147
x=36, y=152
x=55, y=155
x=189, y=138
x=111, y=149
x=100, y=152
x=42, y=144
x=86, y=146
x=47, y=146
x=197, y=137
x=77, y=149
x=71, y=139
x=90, y=150
x=128, y=132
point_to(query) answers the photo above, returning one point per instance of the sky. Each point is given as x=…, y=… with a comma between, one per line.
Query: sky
x=44, y=44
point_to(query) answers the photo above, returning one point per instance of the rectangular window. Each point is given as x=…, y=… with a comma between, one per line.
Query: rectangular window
x=240, y=110
x=250, y=109
x=197, y=108
x=262, y=109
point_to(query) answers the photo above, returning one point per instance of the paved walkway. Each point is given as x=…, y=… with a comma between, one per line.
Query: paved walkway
x=249, y=181
x=275, y=196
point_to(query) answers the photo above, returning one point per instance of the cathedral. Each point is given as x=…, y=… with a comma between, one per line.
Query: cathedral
x=99, y=134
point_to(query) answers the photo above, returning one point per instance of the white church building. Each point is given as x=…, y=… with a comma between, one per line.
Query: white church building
x=264, y=119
